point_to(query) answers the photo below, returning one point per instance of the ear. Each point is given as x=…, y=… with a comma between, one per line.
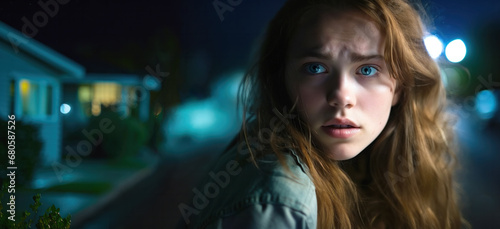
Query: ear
x=397, y=94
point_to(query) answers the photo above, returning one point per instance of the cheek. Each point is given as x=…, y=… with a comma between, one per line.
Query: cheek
x=308, y=95
x=310, y=99
x=378, y=99
x=377, y=107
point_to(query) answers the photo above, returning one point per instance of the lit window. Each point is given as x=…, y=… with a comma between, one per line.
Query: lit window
x=36, y=98
x=93, y=96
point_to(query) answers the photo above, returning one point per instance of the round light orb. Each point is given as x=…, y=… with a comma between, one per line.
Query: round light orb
x=65, y=108
x=455, y=51
x=433, y=45
x=486, y=104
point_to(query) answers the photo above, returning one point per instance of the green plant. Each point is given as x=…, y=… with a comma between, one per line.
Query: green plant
x=51, y=219
x=125, y=140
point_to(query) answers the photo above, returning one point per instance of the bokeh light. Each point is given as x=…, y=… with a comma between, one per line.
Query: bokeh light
x=202, y=121
x=486, y=104
x=433, y=45
x=65, y=108
x=455, y=51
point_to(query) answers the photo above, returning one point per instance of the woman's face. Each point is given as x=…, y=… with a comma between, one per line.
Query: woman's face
x=336, y=67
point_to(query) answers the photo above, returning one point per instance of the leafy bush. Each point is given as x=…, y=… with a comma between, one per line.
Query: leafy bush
x=125, y=140
x=50, y=219
x=28, y=147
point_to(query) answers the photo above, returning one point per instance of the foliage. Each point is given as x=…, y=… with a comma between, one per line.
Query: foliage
x=27, y=146
x=51, y=219
x=126, y=138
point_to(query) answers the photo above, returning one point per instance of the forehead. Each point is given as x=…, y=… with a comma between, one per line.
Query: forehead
x=329, y=30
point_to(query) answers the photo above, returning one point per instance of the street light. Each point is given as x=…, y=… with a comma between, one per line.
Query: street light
x=455, y=51
x=433, y=45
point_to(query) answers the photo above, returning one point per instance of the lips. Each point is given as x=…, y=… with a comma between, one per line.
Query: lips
x=341, y=122
x=341, y=128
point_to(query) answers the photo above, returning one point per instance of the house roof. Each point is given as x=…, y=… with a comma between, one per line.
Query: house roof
x=36, y=49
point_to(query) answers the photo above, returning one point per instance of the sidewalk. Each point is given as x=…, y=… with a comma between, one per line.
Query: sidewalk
x=111, y=179
x=153, y=202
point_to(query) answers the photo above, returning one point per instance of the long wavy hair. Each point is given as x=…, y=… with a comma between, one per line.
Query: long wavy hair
x=401, y=180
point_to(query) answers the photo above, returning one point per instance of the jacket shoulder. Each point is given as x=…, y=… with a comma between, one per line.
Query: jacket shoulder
x=235, y=184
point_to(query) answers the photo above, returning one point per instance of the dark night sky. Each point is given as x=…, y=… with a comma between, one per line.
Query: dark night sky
x=84, y=30
x=109, y=24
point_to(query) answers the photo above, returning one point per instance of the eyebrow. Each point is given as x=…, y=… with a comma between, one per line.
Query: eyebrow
x=355, y=57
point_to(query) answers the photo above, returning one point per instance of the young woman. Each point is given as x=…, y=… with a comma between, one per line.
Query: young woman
x=347, y=127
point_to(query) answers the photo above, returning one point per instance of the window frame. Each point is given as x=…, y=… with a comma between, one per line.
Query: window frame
x=43, y=81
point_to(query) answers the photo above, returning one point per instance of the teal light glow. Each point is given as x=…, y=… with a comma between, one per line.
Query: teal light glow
x=486, y=104
x=65, y=108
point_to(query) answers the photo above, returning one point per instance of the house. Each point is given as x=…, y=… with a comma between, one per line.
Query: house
x=123, y=93
x=30, y=86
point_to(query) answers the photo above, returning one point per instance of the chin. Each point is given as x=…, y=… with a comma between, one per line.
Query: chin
x=341, y=155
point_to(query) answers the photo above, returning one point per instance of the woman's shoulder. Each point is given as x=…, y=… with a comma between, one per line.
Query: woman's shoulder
x=284, y=181
x=237, y=185
x=268, y=174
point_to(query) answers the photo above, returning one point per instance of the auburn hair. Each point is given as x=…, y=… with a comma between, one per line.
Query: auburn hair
x=404, y=179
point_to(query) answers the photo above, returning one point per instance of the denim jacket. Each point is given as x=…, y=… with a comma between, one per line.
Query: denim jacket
x=237, y=194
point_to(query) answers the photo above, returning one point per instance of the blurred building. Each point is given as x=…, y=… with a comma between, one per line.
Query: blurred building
x=122, y=93
x=30, y=86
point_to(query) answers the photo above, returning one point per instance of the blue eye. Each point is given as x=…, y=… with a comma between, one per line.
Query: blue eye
x=368, y=70
x=315, y=68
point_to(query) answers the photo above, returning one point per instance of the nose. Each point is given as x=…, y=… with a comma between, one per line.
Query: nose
x=341, y=93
